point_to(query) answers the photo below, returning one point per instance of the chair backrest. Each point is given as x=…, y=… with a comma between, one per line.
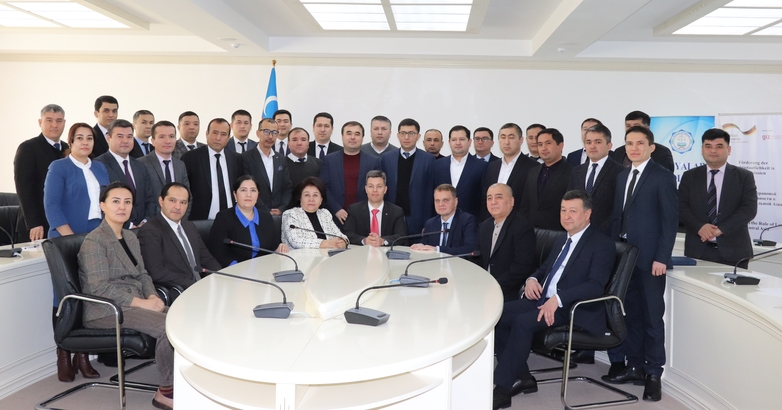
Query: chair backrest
x=544, y=241
x=8, y=217
x=624, y=264
x=8, y=198
x=62, y=256
x=277, y=228
x=203, y=227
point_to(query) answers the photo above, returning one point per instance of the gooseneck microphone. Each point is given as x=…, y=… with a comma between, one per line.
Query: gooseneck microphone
x=740, y=279
x=371, y=317
x=332, y=252
x=422, y=281
x=294, y=275
x=9, y=253
x=761, y=242
x=404, y=255
x=274, y=310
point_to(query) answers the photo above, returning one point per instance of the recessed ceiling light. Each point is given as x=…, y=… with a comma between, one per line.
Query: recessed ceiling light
x=69, y=14
x=715, y=31
x=753, y=22
x=755, y=3
x=418, y=15
x=14, y=18
x=735, y=12
x=771, y=31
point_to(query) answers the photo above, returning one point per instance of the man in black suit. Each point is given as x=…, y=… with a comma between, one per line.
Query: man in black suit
x=462, y=170
x=241, y=125
x=546, y=183
x=122, y=167
x=106, y=111
x=433, y=143
x=484, y=140
x=598, y=176
x=143, y=121
x=661, y=154
x=211, y=171
x=375, y=222
x=170, y=245
x=506, y=242
x=300, y=165
x=646, y=215
x=284, y=120
x=269, y=169
x=513, y=167
x=322, y=127
x=716, y=203
x=189, y=126
x=532, y=141
x=579, y=156
x=461, y=234
x=577, y=268
x=161, y=165
x=31, y=164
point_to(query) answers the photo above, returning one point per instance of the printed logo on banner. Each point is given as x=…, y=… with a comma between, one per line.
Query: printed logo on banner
x=736, y=133
x=682, y=141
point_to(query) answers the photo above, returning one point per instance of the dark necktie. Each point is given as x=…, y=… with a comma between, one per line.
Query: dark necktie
x=302, y=159
x=190, y=147
x=244, y=146
x=711, y=195
x=57, y=146
x=282, y=149
x=553, y=271
x=406, y=155
x=147, y=147
x=128, y=178
x=188, y=252
x=591, y=181
x=322, y=152
x=623, y=231
x=445, y=234
x=168, y=171
x=220, y=184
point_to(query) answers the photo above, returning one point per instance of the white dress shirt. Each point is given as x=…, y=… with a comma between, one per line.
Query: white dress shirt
x=296, y=159
x=268, y=165
x=555, y=276
x=717, y=181
x=379, y=219
x=456, y=169
x=214, y=207
x=238, y=146
x=93, y=187
x=170, y=160
x=448, y=221
x=175, y=227
x=640, y=169
x=122, y=166
x=506, y=168
x=600, y=164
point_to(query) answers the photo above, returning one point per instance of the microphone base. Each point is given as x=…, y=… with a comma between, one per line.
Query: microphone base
x=9, y=253
x=397, y=255
x=414, y=281
x=739, y=279
x=763, y=242
x=366, y=316
x=276, y=310
x=333, y=252
x=289, y=276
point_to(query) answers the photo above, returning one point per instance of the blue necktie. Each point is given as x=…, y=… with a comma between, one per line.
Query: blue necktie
x=711, y=195
x=553, y=271
x=57, y=146
x=445, y=234
x=591, y=181
x=406, y=155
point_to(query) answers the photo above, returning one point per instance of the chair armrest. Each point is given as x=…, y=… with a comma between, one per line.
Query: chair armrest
x=600, y=299
x=94, y=299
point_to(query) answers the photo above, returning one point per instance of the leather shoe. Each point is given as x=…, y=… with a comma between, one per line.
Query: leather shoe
x=653, y=388
x=615, y=369
x=583, y=356
x=65, y=371
x=108, y=359
x=633, y=375
x=81, y=363
x=526, y=386
x=501, y=398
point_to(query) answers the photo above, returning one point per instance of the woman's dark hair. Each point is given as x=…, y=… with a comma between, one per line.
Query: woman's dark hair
x=116, y=185
x=310, y=181
x=238, y=182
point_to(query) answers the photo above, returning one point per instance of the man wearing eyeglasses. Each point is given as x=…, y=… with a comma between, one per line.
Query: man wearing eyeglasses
x=269, y=169
x=484, y=140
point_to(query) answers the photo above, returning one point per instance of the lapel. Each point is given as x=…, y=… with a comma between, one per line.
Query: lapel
x=641, y=179
x=417, y=164
x=205, y=168
x=385, y=229
x=468, y=168
x=729, y=181
x=556, y=175
x=255, y=156
x=608, y=165
x=516, y=167
x=574, y=255
x=173, y=236
x=117, y=247
x=454, y=223
x=503, y=232
x=277, y=162
x=159, y=171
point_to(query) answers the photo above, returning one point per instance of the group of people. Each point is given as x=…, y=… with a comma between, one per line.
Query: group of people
x=121, y=174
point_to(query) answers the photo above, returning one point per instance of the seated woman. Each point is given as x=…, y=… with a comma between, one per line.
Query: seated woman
x=110, y=266
x=311, y=194
x=244, y=223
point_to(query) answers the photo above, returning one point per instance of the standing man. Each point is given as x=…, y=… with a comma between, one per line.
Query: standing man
x=462, y=170
x=161, y=165
x=433, y=142
x=322, y=127
x=284, y=121
x=143, y=120
x=268, y=169
x=410, y=174
x=646, y=215
x=579, y=156
x=211, y=171
x=241, y=125
x=380, y=129
x=300, y=165
x=106, y=111
x=189, y=126
x=547, y=183
x=375, y=222
x=661, y=154
x=532, y=141
x=716, y=203
x=513, y=167
x=31, y=164
x=458, y=229
x=484, y=140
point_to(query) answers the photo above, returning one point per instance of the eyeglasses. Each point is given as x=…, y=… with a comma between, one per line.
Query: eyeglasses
x=482, y=139
x=408, y=133
x=267, y=132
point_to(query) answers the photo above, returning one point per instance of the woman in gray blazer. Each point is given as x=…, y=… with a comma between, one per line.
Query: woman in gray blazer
x=111, y=266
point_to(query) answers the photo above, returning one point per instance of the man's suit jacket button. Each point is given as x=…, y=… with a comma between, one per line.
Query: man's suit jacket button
x=128, y=290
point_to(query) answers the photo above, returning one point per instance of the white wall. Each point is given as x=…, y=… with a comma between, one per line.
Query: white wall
x=436, y=97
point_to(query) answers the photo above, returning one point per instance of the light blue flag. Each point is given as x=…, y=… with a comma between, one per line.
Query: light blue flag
x=270, y=105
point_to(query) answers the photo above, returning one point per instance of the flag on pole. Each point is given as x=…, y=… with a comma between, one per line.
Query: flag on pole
x=270, y=104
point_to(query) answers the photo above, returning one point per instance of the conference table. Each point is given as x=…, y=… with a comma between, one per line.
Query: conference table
x=435, y=351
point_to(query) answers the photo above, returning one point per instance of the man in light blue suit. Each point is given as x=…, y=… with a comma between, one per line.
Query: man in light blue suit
x=462, y=170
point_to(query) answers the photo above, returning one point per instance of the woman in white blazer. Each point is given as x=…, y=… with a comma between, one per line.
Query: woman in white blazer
x=309, y=216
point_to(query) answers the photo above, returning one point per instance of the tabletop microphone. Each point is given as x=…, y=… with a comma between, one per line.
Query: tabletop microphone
x=740, y=279
x=9, y=253
x=274, y=310
x=332, y=252
x=404, y=255
x=294, y=275
x=422, y=281
x=371, y=317
x=761, y=242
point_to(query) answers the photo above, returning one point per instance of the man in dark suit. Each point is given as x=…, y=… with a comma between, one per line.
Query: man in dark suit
x=343, y=171
x=506, y=242
x=532, y=141
x=513, y=167
x=269, y=169
x=598, y=176
x=122, y=167
x=410, y=174
x=646, y=215
x=143, y=121
x=375, y=222
x=484, y=140
x=106, y=111
x=322, y=127
x=161, y=165
x=31, y=164
x=661, y=154
x=462, y=230
x=170, y=245
x=241, y=125
x=189, y=126
x=433, y=143
x=579, y=156
x=462, y=170
x=716, y=203
x=284, y=120
x=578, y=268
x=547, y=182
x=211, y=171
x=300, y=165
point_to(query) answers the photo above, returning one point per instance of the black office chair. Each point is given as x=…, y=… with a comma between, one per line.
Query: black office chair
x=571, y=338
x=203, y=227
x=277, y=228
x=69, y=332
x=8, y=218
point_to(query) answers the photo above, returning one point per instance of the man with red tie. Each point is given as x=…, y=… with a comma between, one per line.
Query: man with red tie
x=375, y=222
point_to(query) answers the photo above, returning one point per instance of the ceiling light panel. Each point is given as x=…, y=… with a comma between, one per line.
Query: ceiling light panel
x=714, y=31
x=69, y=14
x=342, y=16
x=736, y=12
x=412, y=15
x=733, y=21
x=10, y=17
x=755, y=3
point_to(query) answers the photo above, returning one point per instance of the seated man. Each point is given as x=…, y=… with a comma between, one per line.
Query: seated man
x=578, y=268
x=375, y=222
x=171, y=247
x=462, y=231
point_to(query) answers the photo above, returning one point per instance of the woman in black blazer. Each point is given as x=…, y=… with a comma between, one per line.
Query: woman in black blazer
x=244, y=223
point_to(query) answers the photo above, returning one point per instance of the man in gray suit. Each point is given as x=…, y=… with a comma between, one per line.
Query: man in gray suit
x=269, y=169
x=380, y=129
x=189, y=126
x=161, y=165
x=241, y=124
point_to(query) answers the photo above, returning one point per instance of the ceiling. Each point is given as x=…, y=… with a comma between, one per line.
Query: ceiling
x=500, y=33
